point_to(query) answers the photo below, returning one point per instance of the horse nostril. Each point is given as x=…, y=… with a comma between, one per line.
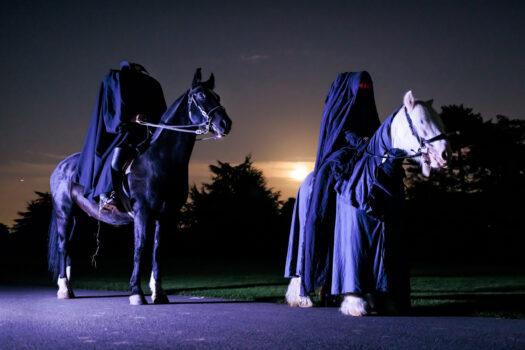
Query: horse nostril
x=444, y=155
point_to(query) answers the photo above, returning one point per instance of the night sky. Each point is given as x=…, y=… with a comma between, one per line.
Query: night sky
x=273, y=64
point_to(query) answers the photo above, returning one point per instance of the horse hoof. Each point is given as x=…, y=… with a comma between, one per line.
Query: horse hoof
x=354, y=306
x=299, y=301
x=137, y=299
x=293, y=297
x=65, y=295
x=160, y=299
x=305, y=302
x=64, y=290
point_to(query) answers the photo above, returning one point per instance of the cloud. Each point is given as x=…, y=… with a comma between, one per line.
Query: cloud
x=43, y=157
x=254, y=58
x=24, y=170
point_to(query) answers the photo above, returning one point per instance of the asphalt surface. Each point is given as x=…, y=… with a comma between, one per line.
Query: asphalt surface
x=32, y=318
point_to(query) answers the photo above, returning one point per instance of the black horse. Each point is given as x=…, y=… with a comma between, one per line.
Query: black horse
x=158, y=187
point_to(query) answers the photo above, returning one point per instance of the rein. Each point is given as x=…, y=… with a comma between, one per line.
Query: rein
x=197, y=129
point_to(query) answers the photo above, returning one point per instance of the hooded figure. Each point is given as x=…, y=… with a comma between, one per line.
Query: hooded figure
x=349, y=117
x=113, y=135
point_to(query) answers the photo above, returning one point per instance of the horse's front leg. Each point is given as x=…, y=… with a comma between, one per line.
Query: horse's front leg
x=293, y=294
x=143, y=224
x=158, y=295
x=65, y=225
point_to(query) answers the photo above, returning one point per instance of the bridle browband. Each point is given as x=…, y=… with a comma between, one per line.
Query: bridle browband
x=197, y=129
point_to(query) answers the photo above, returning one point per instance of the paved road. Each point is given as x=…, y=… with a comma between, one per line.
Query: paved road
x=32, y=318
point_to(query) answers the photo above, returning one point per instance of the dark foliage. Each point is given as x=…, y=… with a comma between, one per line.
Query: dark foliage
x=30, y=229
x=236, y=215
x=472, y=211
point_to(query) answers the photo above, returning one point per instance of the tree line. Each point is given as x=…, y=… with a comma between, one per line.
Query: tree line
x=470, y=212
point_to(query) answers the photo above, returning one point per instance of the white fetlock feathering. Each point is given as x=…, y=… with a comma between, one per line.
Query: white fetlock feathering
x=157, y=292
x=354, y=306
x=136, y=299
x=64, y=291
x=293, y=297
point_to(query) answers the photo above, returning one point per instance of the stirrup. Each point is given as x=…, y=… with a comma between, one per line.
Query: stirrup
x=108, y=202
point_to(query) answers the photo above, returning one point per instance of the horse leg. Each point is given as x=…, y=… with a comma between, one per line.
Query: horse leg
x=142, y=225
x=65, y=225
x=293, y=294
x=158, y=295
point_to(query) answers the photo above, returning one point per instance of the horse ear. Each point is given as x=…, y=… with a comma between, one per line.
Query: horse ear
x=210, y=84
x=409, y=100
x=196, y=78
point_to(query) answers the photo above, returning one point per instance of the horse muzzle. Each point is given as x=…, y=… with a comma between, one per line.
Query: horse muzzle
x=221, y=124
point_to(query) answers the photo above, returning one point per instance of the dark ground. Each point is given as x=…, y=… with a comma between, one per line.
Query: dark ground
x=32, y=318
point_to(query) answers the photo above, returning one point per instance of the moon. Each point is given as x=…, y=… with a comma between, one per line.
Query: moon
x=299, y=172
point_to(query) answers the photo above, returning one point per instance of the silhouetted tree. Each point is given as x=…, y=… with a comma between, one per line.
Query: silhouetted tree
x=236, y=215
x=29, y=233
x=5, y=244
x=470, y=210
x=4, y=231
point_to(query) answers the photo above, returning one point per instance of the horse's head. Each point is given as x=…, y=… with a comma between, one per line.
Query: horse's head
x=421, y=130
x=205, y=107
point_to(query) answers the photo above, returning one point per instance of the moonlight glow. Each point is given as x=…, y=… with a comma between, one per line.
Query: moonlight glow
x=299, y=173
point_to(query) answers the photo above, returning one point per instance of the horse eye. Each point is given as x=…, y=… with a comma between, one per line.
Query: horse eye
x=201, y=95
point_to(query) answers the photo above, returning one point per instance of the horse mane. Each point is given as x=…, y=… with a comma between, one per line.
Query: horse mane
x=175, y=114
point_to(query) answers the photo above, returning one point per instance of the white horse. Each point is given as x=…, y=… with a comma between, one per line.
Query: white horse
x=416, y=129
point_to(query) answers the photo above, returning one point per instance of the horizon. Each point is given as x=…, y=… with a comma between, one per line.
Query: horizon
x=273, y=67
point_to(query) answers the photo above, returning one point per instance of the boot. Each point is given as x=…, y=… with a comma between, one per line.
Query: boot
x=120, y=157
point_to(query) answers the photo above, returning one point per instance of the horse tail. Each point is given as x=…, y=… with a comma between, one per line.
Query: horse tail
x=53, y=263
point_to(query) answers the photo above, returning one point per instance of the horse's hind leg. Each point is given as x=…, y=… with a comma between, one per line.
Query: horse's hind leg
x=142, y=225
x=158, y=295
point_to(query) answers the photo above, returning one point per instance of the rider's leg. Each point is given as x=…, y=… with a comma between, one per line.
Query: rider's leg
x=120, y=157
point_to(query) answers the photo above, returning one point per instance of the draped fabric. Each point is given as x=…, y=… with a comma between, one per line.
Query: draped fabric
x=369, y=248
x=361, y=248
x=350, y=114
x=123, y=94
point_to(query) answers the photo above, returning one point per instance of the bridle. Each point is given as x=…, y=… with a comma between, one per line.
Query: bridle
x=197, y=129
x=423, y=143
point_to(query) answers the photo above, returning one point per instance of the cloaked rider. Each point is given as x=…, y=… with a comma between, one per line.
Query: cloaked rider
x=126, y=96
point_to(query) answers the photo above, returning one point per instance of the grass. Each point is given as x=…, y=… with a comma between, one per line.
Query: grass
x=242, y=280
x=454, y=290
x=469, y=291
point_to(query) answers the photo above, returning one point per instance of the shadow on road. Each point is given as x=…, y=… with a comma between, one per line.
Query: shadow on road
x=234, y=286
x=101, y=296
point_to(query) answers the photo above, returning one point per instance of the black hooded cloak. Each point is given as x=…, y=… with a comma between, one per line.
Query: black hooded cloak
x=123, y=94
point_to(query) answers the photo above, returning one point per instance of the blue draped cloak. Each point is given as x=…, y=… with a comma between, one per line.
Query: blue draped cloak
x=370, y=247
x=350, y=114
x=366, y=249
x=123, y=94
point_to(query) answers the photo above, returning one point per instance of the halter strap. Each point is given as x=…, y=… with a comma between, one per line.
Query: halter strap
x=422, y=142
x=197, y=129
